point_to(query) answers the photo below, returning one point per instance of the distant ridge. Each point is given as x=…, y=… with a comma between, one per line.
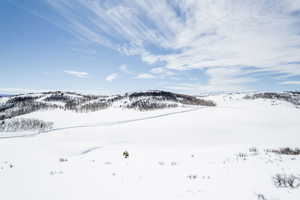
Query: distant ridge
x=143, y=101
x=5, y=95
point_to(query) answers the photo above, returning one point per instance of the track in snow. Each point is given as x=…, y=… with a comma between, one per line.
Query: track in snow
x=90, y=150
x=104, y=124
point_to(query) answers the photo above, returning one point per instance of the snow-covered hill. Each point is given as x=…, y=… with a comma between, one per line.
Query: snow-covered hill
x=242, y=148
x=67, y=104
x=149, y=100
x=39, y=112
x=291, y=97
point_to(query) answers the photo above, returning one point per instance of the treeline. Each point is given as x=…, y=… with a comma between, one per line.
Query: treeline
x=292, y=97
x=22, y=108
x=22, y=124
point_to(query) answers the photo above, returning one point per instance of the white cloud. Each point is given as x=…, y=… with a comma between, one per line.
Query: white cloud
x=111, y=77
x=228, y=76
x=124, y=68
x=76, y=73
x=194, y=34
x=144, y=76
x=290, y=83
x=162, y=71
x=220, y=80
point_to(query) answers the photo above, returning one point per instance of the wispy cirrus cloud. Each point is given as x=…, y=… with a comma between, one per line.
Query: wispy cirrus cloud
x=77, y=73
x=112, y=77
x=220, y=79
x=214, y=36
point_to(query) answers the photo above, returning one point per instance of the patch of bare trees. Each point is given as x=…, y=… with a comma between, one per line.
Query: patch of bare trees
x=286, y=181
x=285, y=151
x=22, y=124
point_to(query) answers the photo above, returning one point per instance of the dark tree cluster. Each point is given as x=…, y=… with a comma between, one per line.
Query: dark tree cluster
x=285, y=151
x=147, y=104
x=190, y=100
x=58, y=98
x=22, y=124
x=25, y=107
x=93, y=107
x=158, y=94
x=286, y=181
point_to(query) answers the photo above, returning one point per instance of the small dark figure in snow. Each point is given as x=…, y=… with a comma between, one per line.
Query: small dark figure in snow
x=125, y=154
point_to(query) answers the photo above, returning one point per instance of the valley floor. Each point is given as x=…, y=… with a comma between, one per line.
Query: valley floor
x=216, y=153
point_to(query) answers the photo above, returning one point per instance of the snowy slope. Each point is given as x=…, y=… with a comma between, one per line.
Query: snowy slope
x=211, y=153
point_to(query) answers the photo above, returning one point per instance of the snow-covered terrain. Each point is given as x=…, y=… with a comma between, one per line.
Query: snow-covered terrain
x=229, y=151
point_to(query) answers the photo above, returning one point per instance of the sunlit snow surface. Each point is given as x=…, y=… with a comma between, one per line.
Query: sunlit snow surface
x=179, y=153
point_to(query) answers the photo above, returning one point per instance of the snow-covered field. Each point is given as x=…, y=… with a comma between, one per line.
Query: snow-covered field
x=180, y=153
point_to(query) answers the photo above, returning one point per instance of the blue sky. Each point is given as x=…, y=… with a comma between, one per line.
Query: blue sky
x=113, y=46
